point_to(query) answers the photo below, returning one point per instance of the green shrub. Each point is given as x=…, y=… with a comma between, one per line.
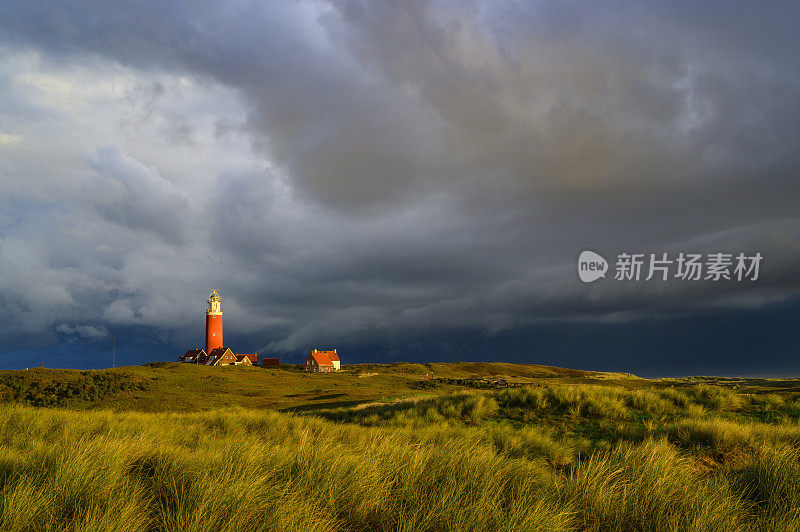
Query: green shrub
x=84, y=386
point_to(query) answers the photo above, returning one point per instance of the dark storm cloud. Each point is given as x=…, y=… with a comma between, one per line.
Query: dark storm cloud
x=136, y=197
x=415, y=166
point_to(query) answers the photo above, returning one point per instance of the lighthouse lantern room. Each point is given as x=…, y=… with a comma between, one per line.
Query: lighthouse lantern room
x=213, y=322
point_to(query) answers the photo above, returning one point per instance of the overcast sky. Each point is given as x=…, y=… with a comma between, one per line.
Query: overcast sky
x=403, y=180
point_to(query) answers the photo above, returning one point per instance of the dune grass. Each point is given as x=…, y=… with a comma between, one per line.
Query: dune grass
x=173, y=387
x=549, y=457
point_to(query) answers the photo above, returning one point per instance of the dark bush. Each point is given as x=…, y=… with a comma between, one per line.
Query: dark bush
x=84, y=387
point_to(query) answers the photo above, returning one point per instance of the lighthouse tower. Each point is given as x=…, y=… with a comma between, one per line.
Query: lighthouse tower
x=213, y=322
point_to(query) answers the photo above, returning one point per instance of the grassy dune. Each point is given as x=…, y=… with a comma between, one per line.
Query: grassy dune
x=573, y=452
x=173, y=387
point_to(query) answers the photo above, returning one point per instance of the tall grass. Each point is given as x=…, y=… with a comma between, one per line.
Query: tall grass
x=648, y=487
x=256, y=471
x=538, y=458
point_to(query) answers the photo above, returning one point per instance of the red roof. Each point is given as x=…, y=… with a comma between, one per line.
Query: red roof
x=252, y=356
x=332, y=355
x=321, y=358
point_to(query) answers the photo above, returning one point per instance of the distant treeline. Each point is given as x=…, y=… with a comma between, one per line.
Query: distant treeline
x=85, y=386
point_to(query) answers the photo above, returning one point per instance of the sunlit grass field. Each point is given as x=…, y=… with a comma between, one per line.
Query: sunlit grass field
x=575, y=452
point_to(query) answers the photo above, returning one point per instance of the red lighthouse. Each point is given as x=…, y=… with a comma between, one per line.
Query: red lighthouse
x=213, y=322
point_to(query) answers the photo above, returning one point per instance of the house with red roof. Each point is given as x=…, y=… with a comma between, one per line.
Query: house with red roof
x=334, y=356
x=192, y=356
x=252, y=357
x=221, y=356
x=322, y=361
x=243, y=360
